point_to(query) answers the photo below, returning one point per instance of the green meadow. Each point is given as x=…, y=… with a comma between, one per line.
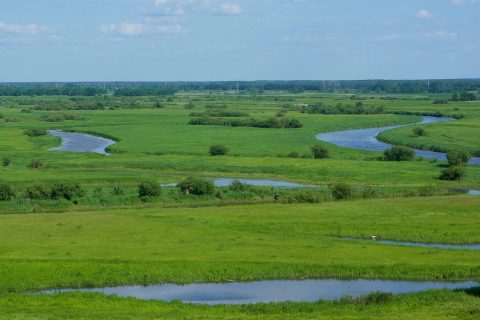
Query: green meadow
x=110, y=236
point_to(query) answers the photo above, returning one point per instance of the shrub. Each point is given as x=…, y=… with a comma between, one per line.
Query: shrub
x=38, y=192
x=67, y=191
x=158, y=105
x=440, y=101
x=419, y=132
x=452, y=173
x=149, y=189
x=399, y=153
x=6, y=192
x=218, y=150
x=6, y=161
x=196, y=186
x=238, y=186
x=341, y=191
x=305, y=197
x=319, y=152
x=293, y=154
x=117, y=191
x=189, y=105
x=457, y=158
x=35, y=164
x=2, y=116
x=35, y=132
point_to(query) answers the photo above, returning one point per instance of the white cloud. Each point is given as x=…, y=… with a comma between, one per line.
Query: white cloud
x=26, y=29
x=230, y=8
x=126, y=29
x=135, y=29
x=440, y=35
x=423, y=14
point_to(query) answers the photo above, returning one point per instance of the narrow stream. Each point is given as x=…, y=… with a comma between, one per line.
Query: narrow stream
x=365, y=139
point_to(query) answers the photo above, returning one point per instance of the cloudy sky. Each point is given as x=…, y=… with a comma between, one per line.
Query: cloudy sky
x=102, y=40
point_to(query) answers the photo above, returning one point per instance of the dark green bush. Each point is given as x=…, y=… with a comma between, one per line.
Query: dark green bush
x=341, y=191
x=196, y=186
x=35, y=164
x=319, y=152
x=38, y=192
x=399, y=153
x=452, y=173
x=149, y=189
x=6, y=192
x=218, y=150
x=419, y=132
x=457, y=158
x=67, y=191
x=293, y=154
x=440, y=101
x=6, y=161
x=35, y=132
x=2, y=116
x=117, y=191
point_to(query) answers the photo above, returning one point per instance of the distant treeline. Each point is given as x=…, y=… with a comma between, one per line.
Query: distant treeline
x=169, y=88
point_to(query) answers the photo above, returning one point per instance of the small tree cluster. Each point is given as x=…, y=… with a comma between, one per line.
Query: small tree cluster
x=419, y=132
x=149, y=189
x=196, y=186
x=35, y=132
x=341, y=191
x=399, y=153
x=6, y=192
x=319, y=152
x=457, y=162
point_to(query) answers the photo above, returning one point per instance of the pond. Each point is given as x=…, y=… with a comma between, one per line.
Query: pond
x=270, y=291
x=226, y=182
x=474, y=192
x=81, y=142
x=365, y=139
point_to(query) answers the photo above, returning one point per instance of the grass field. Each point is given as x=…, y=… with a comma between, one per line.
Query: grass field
x=101, y=239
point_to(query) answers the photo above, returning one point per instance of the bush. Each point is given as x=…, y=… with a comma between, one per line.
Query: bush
x=440, y=101
x=118, y=191
x=38, y=192
x=149, y=189
x=2, y=116
x=196, y=186
x=457, y=158
x=35, y=164
x=67, y=191
x=35, y=132
x=419, y=132
x=6, y=192
x=293, y=154
x=452, y=173
x=238, y=186
x=218, y=150
x=6, y=161
x=399, y=153
x=319, y=152
x=341, y=191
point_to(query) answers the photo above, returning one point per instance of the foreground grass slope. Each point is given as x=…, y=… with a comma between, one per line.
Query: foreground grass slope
x=39, y=251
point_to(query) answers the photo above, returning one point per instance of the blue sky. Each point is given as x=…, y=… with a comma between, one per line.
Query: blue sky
x=163, y=40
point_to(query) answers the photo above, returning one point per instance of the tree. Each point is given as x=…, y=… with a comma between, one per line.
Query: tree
x=399, y=153
x=218, y=150
x=319, y=151
x=452, y=173
x=341, y=191
x=457, y=158
x=196, y=186
x=149, y=189
x=419, y=132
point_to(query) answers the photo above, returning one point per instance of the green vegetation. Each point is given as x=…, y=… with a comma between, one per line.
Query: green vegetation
x=73, y=220
x=399, y=153
x=218, y=150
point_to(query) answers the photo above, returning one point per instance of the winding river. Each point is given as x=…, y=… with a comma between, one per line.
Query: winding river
x=226, y=182
x=81, y=142
x=365, y=139
x=270, y=291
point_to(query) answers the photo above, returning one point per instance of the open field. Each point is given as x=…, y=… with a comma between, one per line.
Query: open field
x=102, y=239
